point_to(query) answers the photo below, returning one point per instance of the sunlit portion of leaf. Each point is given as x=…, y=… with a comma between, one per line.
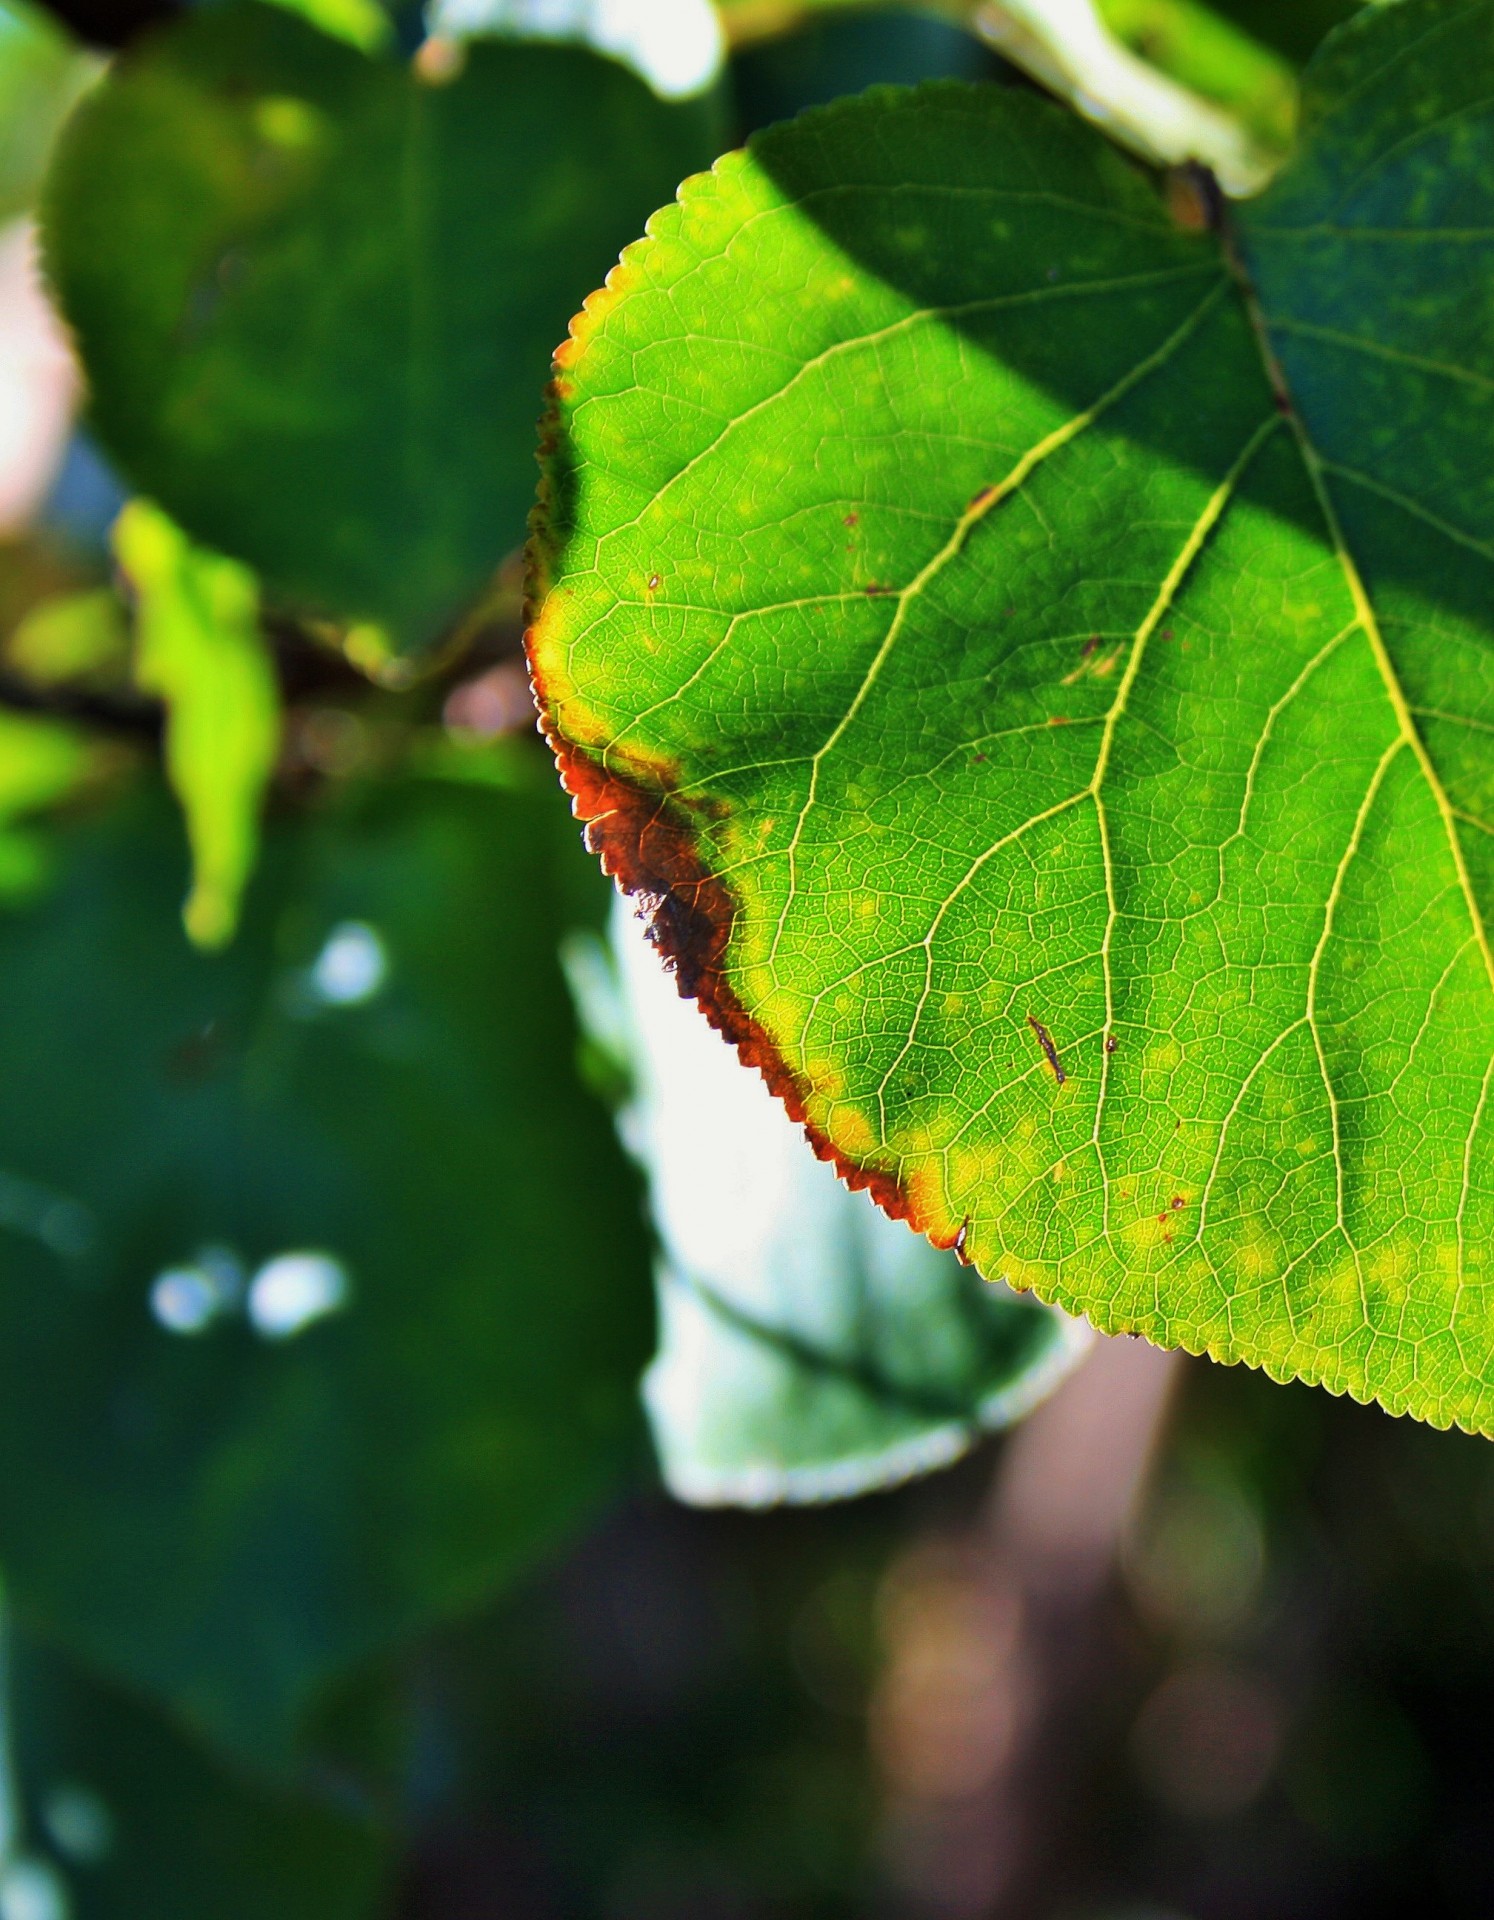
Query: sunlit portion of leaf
x=198, y=648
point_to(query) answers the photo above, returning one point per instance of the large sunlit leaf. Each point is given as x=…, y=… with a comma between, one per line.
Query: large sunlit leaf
x=1036, y=654
x=810, y=1348
x=316, y=292
x=323, y=1284
x=198, y=647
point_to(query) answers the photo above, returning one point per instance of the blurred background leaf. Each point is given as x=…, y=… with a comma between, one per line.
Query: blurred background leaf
x=364, y=24
x=316, y=293
x=1224, y=57
x=42, y=72
x=841, y=50
x=114, y=1815
x=198, y=648
x=810, y=1348
x=677, y=46
x=324, y=1292
x=42, y=761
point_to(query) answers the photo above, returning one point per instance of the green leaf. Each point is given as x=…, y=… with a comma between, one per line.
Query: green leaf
x=41, y=74
x=117, y=1816
x=1069, y=46
x=840, y=52
x=1206, y=51
x=42, y=762
x=77, y=636
x=810, y=1348
x=198, y=647
x=1294, y=27
x=315, y=293
x=1051, y=718
x=677, y=46
x=323, y=1285
x=362, y=23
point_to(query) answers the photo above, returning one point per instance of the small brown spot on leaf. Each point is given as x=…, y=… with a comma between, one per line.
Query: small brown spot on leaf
x=853, y=520
x=654, y=583
x=1045, y=1040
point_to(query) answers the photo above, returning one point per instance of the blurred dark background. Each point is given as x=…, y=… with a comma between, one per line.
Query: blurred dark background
x=1277, y=1703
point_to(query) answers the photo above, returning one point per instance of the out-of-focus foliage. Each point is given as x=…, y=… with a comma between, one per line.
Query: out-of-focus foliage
x=364, y=24
x=810, y=1348
x=1294, y=27
x=198, y=647
x=41, y=762
x=843, y=50
x=114, y=1814
x=675, y=45
x=1217, y=57
x=324, y=1293
x=316, y=292
x=71, y=638
x=41, y=74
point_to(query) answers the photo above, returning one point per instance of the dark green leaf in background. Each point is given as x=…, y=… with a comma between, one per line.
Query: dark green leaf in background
x=1053, y=713
x=323, y=1287
x=315, y=292
x=113, y=1815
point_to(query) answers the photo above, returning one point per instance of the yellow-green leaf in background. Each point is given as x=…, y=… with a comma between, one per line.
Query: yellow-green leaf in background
x=361, y=23
x=41, y=761
x=42, y=72
x=198, y=648
x=68, y=637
